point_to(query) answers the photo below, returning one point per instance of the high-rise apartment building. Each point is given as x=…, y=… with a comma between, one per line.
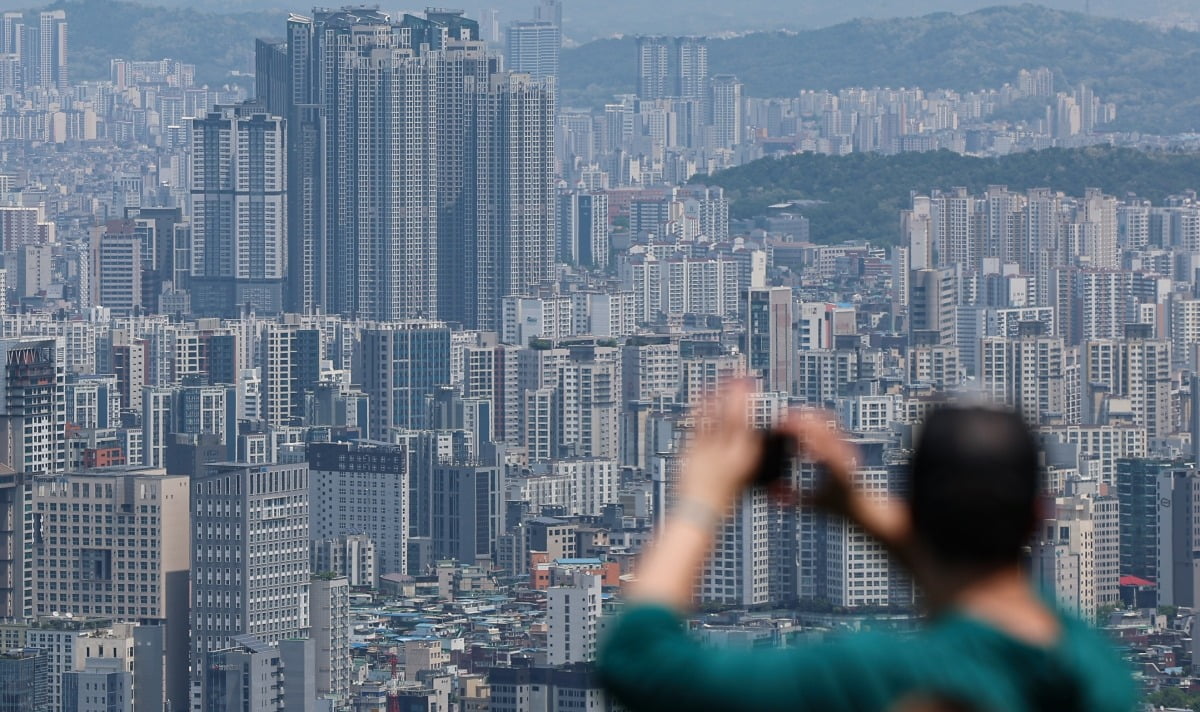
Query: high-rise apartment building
x=956, y=224
x=24, y=226
x=330, y=607
x=771, y=337
x=123, y=557
x=166, y=252
x=738, y=571
x=932, y=306
x=1027, y=373
x=572, y=615
x=401, y=364
x=116, y=260
x=16, y=545
x=856, y=569
x=50, y=71
x=583, y=229
x=467, y=511
x=533, y=48
x=361, y=489
x=549, y=11
x=239, y=211
x=362, y=187
x=291, y=357
x=514, y=247
x=725, y=107
x=673, y=67
x=690, y=75
x=653, y=67
x=1144, y=485
x=34, y=408
x=1076, y=552
x=250, y=557
x=440, y=210
x=1132, y=375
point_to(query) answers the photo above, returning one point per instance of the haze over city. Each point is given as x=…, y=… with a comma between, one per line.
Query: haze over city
x=351, y=355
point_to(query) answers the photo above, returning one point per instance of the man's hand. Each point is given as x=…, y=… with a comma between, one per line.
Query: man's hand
x=821, y=442
x=721, y=460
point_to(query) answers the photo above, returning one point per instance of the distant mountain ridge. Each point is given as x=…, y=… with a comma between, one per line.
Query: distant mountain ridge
x=586, y=20
x=1152, y=74
x=218, y=44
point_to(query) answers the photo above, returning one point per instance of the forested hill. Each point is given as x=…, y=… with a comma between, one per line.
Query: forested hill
x=864, y=192
x=99, y=30
x=1152, y=74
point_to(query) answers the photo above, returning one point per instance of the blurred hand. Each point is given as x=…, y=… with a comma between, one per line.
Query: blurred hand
x=722, y=458
x=822, y=443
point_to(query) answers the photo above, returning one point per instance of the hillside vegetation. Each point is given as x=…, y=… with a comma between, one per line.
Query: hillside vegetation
x=99, y=30
x=1153, y=75
x=864, y=192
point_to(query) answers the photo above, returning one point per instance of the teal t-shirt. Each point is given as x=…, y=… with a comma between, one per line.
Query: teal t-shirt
x=649, y=662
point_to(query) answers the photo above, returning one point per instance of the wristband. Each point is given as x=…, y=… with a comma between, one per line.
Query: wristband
x=697, y=513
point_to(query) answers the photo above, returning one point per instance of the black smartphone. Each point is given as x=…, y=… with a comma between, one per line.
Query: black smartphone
x=778, y=454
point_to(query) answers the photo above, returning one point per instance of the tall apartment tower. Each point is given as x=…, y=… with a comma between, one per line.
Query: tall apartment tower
x=290, y=358
x=771, y=337
x=514, y=244
x=116, y=260
x=583, y=229
x=421, y=174
x=240, y=221
x=956, y=223
x=653, y=67
x=51, y=69
x=533, y=48
x=12, y=32
x=467, y=511
x=361, y=489
x=33, y=411
x=725, y=105
x=400, y=366
x=932, y=307
x=145, y=513
x=739, y=570
x=1027, y=373
x=690, y=73
x=549, y=11
x=361, y=149
x=330, y=606
x=250, y=557
x=16, y=545
x=572, y=612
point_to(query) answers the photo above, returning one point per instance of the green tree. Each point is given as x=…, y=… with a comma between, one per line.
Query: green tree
x=859, y=196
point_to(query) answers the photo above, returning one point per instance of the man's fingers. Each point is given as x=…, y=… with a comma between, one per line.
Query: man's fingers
x=731, y=409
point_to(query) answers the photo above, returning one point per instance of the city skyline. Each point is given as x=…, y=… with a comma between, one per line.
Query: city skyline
x=364, y=391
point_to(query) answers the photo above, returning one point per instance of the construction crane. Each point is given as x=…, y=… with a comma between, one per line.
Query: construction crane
x=393, y=695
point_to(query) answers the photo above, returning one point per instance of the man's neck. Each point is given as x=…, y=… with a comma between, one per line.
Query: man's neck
x=1005, y=600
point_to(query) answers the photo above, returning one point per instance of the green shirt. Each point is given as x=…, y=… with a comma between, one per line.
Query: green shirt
x=650, y=663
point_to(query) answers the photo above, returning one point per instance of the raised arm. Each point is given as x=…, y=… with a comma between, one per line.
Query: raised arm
x=716, y=468
x=648, y=659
